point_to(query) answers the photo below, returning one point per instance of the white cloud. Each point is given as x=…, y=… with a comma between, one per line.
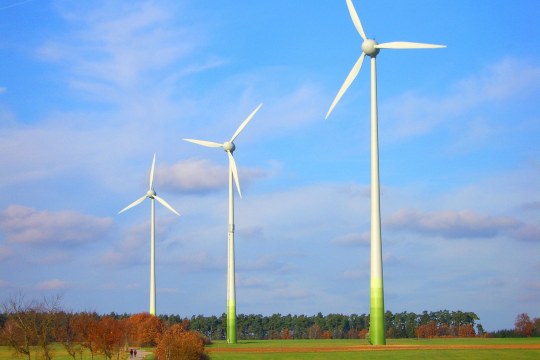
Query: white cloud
x=54, y=284
x=5, y=253
x=352, y=239
x=460, y=224
x=413, y=114
x=118, y=44
x=167, y=290
x=192, y=175
x=26, y=225
x=530, y=206
x=249, y=282
x=527, y=233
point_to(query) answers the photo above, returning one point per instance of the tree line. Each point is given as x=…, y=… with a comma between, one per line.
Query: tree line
x=339, y=326
x=33, y=327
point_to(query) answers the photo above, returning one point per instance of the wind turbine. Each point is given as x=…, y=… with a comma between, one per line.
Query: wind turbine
x=229, y=147
x=151, y=194
x=371, y=48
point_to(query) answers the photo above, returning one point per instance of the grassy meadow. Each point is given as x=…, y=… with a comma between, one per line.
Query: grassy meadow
x=469, y=348
x=466, y=349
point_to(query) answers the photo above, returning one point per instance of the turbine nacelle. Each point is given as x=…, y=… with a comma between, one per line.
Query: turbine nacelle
x=369, y=47
x=229, y=146
x=150, y=194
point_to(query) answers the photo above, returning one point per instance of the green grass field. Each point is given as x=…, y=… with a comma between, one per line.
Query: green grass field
x=471, y=348
x=58, y=354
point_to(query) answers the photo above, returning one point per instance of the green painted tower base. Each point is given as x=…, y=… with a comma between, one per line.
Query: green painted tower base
x=231, y=323
x=377, y=332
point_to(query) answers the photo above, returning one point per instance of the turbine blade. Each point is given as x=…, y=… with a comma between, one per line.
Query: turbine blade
x=356, y=19
x=166, y=204
x=348, y=81
x=407, y=45
x=152, y=172
x=232, y=167
x=205, y=143
x=243, y=125
x=135, y=203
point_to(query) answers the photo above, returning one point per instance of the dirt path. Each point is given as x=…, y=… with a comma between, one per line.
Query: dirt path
x=141, y=354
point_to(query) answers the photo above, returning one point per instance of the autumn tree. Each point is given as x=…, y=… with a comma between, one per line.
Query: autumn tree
x=19, y=330
x=109, y=336
x=523, y=325
x=327, y=334
x=66, y=333
x=286, y=334
x=428, y=330
x=314, y=332
x=144, y=329
x=466, y=330
x=46, y=315
x=85, y=326
x=17, y=336
x=177, y=343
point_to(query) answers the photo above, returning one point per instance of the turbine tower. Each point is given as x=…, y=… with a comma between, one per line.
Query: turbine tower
x=229, y=147
x=371, y=48
x=151, y=194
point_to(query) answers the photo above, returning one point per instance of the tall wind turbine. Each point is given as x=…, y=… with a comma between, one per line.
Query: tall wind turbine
x=229, y=147
x=371, y=48
x=151, y=194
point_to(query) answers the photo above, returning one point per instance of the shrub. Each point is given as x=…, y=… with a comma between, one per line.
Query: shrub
x=179, y=344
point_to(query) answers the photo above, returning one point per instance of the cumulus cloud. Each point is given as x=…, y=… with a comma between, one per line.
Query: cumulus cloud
x=461, y=224
x=291, y=293
x=527, y=233
x=200, y=176
x=415, y=114
x=5, y=253
x=267, y=263
x=530, y=206
x=167, y=290
x=118, y=43
x=201, y=262
x=249, y=282
x=25, y=225
x=54, y=284
x=452, y=224
x=352, y=239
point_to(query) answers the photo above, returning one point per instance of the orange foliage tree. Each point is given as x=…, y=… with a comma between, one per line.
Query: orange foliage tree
x=326, y=334
x=144, y=329
x=286, y=334
x=466, y=331
x=109, y=336
x=428, y=330
x=524, y=325
x=178, y=343
x=85, y=326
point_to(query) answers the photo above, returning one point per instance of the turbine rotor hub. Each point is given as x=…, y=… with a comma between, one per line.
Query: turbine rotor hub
x=368, y=47
x=151, y=193
x=229, y=146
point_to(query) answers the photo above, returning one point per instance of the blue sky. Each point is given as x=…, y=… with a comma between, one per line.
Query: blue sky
x=88, y=93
